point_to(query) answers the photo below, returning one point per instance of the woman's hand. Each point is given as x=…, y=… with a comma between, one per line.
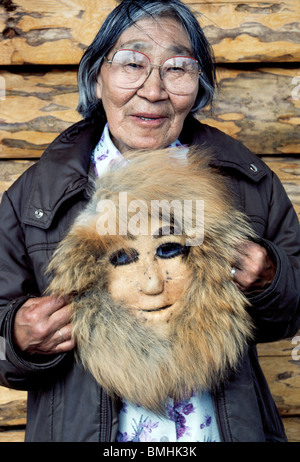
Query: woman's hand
x=42, y=326
x=254, y=269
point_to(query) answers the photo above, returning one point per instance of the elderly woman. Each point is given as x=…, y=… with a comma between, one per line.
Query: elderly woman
x=147, y=72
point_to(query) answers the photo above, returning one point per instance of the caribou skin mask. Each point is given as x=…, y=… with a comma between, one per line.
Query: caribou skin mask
x=156, y=314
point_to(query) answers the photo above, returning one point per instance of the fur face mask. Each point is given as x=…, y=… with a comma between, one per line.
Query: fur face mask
x=155, y=311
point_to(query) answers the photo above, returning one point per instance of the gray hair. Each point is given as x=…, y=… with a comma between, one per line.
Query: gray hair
x=127, y=13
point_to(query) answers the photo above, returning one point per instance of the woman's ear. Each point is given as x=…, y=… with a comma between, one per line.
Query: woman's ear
x=99, y=86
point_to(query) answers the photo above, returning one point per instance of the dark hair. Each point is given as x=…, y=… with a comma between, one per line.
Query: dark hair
x=125, y=15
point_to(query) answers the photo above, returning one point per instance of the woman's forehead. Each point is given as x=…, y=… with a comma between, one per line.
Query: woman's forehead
x=165, y=33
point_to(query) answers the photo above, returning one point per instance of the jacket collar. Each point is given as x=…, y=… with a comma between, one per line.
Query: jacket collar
x=63, y=169
x=61, y=172
x=227, y=153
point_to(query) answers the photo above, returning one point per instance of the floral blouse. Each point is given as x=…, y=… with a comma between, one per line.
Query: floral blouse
x=189, y=420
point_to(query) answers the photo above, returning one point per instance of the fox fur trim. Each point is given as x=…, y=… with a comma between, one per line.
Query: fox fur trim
x=207, y=336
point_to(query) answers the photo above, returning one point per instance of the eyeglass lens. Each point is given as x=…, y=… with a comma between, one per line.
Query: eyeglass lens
x=131, y=69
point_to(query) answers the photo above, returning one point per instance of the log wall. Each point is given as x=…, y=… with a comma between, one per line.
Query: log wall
x=257, y=49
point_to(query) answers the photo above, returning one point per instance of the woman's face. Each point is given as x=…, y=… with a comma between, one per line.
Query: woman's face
x=148, y=117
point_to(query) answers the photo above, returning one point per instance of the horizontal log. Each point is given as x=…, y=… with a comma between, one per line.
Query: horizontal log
x=283, y=377
x=258, y=107
x=12, y=407
x=16, y=436
x=58, y=32
x=288, y=170
x=252, y=31
x=36, y=108
x=283, y=348
x=280, y=362
x=10, y=171
x=8, y=395
x=292, y=429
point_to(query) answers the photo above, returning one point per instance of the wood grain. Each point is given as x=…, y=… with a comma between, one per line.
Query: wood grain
x=258, y=107
x=37, y=107
x=12, y=407
x=292, y=428
x=58, y=31
x=255, y=106
x=10, y=171
x=280, y=362
x=16, y=436
x=288, y=170
x=283, y=376
x=252, y=31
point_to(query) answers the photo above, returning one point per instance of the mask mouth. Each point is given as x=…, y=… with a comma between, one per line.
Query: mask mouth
x=156, y=309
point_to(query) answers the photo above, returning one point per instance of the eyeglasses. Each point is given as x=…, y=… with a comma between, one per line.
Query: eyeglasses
x=132, y=68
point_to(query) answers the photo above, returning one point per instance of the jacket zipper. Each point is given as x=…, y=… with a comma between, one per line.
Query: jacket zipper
x=220, y=407
x=105, y=417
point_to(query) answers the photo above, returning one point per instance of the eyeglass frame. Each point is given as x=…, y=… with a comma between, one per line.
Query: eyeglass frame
x=152, y=66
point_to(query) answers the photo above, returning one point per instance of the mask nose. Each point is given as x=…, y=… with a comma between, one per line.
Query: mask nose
x=152, y=281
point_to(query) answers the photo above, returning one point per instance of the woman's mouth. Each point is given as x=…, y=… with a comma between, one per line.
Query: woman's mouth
x=152, y=120
x=147, y=118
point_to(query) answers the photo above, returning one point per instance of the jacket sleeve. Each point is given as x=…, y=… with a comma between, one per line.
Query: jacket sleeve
x=276, y=311
x=17, y=284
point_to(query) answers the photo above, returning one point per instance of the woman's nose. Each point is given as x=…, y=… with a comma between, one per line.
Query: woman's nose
x=153, y=88
x=152, y=281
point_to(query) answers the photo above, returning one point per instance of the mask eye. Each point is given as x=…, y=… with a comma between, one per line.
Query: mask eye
x=170, y=250
x=124, y=257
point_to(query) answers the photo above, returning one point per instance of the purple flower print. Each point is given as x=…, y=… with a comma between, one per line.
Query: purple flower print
x=188, y=409
x=122, y=437
x=143, y=430
x=124, y=408
x=177, y=412
x=103, y=156
x=180, y=424
x=206, y=422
